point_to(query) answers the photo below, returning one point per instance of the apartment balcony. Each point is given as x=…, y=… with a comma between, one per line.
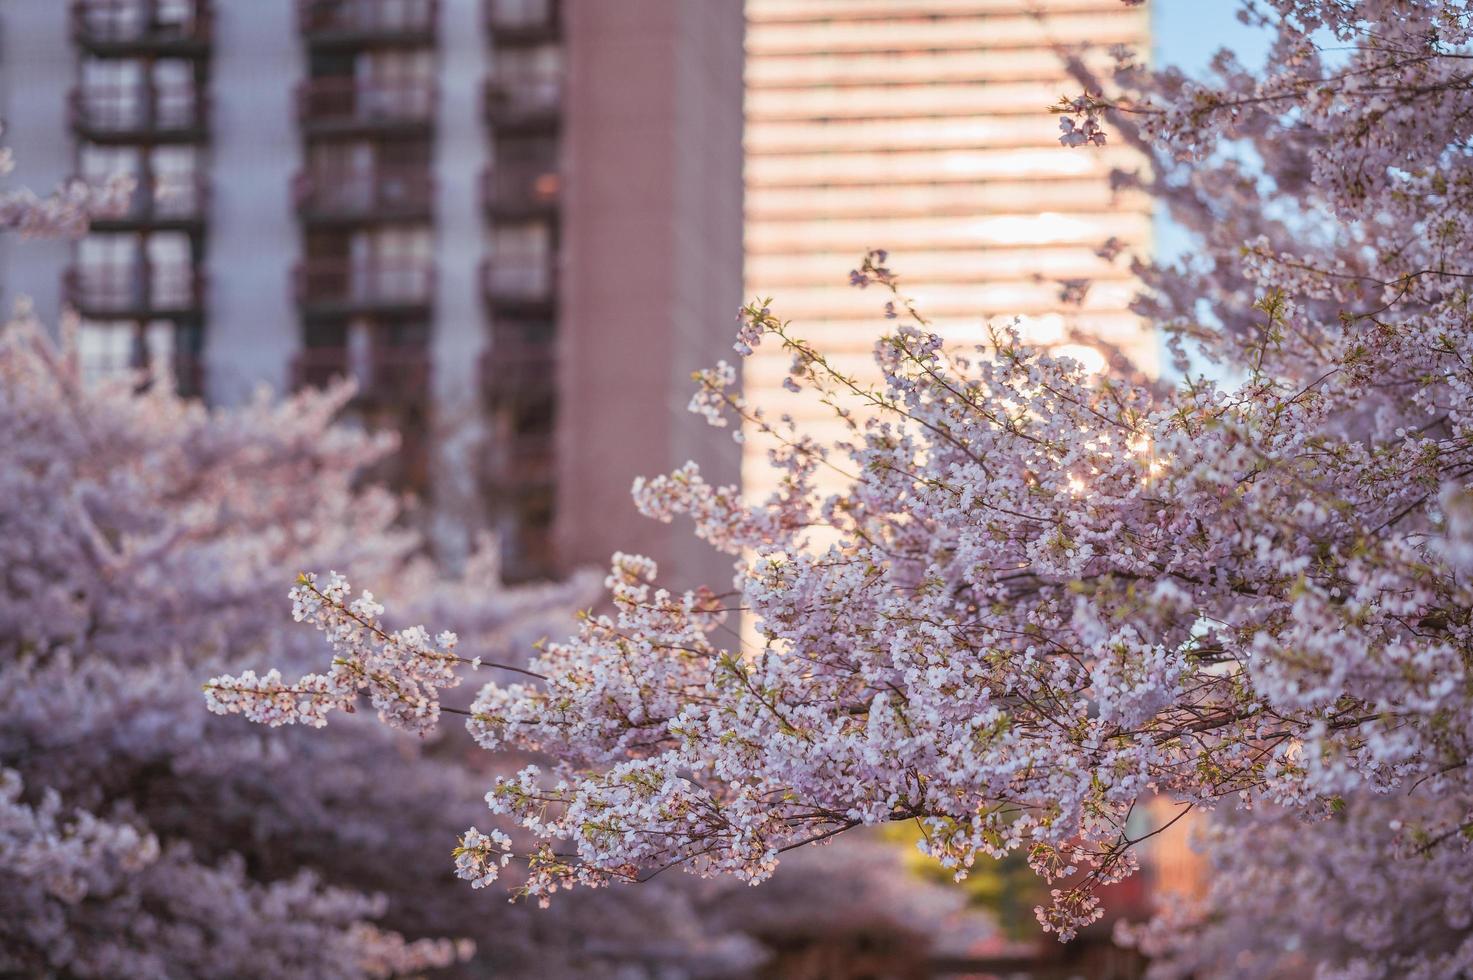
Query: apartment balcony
x=167, y=204
x=141, y=28
x=517, y=463
x=528, y=554
x=518, y=475
x=404, y=194
x=131, y=292
x=384, y=376
x=520, y=284
x=368, y=23
x=516, y=372
x=334, y=287
x=138, y=114
x=343, y=106
x=520, y=191
x=522, y=102
x=523, y=518
x=188, y=372
x=511, y=22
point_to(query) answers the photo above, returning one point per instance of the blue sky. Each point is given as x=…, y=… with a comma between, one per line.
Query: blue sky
x=1188, y=32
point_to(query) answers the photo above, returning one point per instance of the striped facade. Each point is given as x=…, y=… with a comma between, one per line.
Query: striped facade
x=920, y=127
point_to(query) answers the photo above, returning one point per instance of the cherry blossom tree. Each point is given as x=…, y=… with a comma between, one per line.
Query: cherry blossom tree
x=141, y=542
x=1044, y=596
x=141, y=537
x=133, y=526
x=1363, y=894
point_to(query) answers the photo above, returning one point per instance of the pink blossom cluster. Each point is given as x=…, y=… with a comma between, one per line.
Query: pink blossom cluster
x=1079, y=122
x=402, y=672
x=66, y=212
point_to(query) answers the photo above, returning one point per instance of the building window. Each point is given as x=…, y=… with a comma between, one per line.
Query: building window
x=112, y=94
x=525, y=169
x=519, y=13
x=393, y=263
x=529, y=78
x=178, y=187
x=100, y=163
x=170, y=270
x=397, y=83
x=521, y=258
x=109, y=349
x=174, y=91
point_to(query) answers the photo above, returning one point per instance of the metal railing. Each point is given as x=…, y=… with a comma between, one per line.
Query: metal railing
x=141, y=23
x=521, y=187
x=167, y=199
x=124, y=290
x=516, y=372
x=519, y=18
x=383, y=193
x=384, y=374
x=365, y=283
x=517, y=461
x=386, y=18
x=513, y=95
x=139, y=110
x=347, y=101
x=524, y=278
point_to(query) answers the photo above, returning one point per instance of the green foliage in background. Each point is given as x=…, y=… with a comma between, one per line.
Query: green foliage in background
x=1005, y=888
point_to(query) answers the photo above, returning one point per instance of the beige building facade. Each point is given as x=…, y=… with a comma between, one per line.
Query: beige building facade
x=921, y=127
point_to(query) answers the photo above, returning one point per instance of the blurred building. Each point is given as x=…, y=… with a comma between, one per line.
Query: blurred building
x=515, y=223
x=920, y=127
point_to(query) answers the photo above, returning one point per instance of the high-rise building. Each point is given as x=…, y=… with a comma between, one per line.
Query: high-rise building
x=514, y=223
x=921, y=127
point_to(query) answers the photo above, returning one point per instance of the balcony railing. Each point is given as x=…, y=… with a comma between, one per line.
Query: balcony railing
x=342, y=104
x=514, y=372
x=517, y=280
x=392, y=194
x=139, y=114
x=519, y=462
x=170, y=202
x=185, y=370
x=517, y=99
x=336, y=284
x=170, y=27
x=523, y=518
x=523, y=359
x=394, y=375
x=128, y=292
x=522, y=21
x=378, y=22
x=516, y=190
